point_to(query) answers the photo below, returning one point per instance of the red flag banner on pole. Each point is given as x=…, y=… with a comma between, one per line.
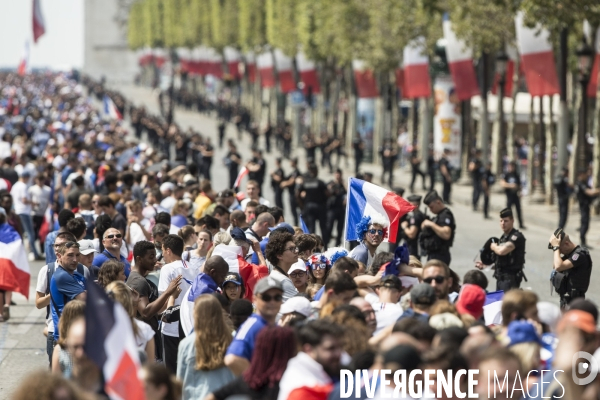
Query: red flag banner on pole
x=417, y=82
x=460, y=62
x=39, y=26
x=366, y=85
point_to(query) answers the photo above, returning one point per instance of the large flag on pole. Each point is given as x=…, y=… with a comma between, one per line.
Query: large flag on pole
x=416, y=80
x=238, y=181
x=537, y=58
x=14, y=267
x=23, y=65
x=366, y=199
x=39, y=26
x=110, y=344
x=460, y=62
x=110, y=109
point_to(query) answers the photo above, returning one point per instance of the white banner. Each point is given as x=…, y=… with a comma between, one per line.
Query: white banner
x=447, y=122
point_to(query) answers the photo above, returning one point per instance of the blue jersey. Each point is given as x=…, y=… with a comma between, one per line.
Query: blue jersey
x=263, y=249
x=243, y=343
x=101, y=258
x=64, y=287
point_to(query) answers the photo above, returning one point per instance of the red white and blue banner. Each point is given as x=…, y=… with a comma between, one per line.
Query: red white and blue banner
x=110, y=110
x=39, y=26
x=416, y=81
x=250, y=66
x=285, y=72
x=460, y=62
x=110, y=344
x=233, y=58
x=366, y=84
x=492, y=308
x=308, y=73
x=537, y=58
x=264, y=63
x=366, y=199
x=14, y=267
x=24, y=64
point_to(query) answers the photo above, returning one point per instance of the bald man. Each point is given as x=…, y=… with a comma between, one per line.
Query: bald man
x=215, y=271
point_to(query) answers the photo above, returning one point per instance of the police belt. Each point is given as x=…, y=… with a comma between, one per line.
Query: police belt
x=502, y=275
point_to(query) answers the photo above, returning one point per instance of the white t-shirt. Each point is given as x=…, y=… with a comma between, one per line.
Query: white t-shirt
x=135, y=234
x=40, y=196
x=261, y=201
x=19, y=192
x=289, y=290
x=387, y=314
x=167, y=274
x=145, y=333
x=41, y=287
x=168, y=203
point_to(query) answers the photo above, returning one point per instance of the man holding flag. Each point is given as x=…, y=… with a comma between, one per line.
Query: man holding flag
x=371, y=230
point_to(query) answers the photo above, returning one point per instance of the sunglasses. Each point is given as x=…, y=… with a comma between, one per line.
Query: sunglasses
x=318, y=266
x=267, y=297
x=118, y=236
x=376, y=232
x=297, y=274
x=438, y=279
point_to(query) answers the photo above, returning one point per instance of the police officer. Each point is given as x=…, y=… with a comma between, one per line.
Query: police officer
x=487, y=181
x=575, y=263
x=411, y=226
x=510, y=254
x=476, y=169
x=563, y=191
x=437, y=234
x=585, y=196
x=511, y=182
x=312, y=197
x=446, y=172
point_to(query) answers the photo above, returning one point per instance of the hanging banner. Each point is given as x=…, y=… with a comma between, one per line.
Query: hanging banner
x=447, y=122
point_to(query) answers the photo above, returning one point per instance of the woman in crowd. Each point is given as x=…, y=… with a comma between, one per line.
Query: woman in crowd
x=196, y=257
x=318, y=266
x=110, y=271
x=200, y=364
x=233, y=287
x=189, y=236
x=61, y=359
x=298, y=273
x=179, y=214
x=274, y=347
x=159, y=384
x=144, y=335
x=219, y=238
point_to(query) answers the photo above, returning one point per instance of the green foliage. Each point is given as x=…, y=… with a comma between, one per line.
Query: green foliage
x=251, y=24
x=135, y=34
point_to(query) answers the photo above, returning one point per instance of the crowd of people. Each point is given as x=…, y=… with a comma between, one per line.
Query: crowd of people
x=227, y=298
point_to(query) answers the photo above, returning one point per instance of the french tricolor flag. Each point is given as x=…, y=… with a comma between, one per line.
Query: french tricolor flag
x=110, y=109
x=537, y=58
x=492, y=308
x=238, y=181
x=250, y=66
x=14, y=267
x=285, y=73
x=110, y=344
x=366, y=199
x=416, y=80
x=39, y=26
x=264, y=63
x=308, y=73
x=232, y=58
x=460, y=62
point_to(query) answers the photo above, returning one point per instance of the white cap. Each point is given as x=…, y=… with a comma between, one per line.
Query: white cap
x=297, y=304
x=167, y=186
x=297, y=266
x=86, y=247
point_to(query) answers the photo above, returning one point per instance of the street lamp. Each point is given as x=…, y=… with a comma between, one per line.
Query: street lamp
x=585, y=55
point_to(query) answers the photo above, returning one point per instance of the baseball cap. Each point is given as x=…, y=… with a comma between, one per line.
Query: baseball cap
x=392, y=282
x=579, y=319
x=86, y=247
x=167, y=186
x=297, y=304
x=297, y=266
x=423, y=294
x=471, y=300
x=266, y=284
x=238, y=234
x=522, y=332
x=283, y=225
x=233, y=277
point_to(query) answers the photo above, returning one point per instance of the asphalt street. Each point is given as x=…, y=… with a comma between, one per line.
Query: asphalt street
x=22, y=344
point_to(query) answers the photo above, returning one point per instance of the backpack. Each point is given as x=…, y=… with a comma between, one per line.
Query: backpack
x=49, y=273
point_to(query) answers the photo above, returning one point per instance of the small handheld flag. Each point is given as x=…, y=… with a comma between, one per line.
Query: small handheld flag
x=110, y=109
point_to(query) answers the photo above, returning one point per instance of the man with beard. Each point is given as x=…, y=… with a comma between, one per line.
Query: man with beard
x=437, y=275
x=371, y=231
x=313, y=371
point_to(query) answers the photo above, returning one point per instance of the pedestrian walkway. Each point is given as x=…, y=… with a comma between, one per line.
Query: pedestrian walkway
x=540, y=215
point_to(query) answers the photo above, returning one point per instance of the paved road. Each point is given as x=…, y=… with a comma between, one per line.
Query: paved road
x=22, y=344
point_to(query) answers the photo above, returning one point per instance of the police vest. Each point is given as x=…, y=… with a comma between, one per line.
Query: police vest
x=515, y=260
x=578, y=278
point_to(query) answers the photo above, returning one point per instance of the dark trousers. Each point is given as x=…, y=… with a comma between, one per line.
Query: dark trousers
x=170, y=346
x=415, y=172
x=336, y=216
x=507, y=281
x=38, y=220
x=294, y=207
x=221, y=137
x=513, y=199
x=268, y=143
x=585, y=222
x=442, y=256
x=389, y=169
x=206, y=168
x=287, y=148
x=357, y=162
x=568, y=298
x=50, y=343
x=233, y=173
x=486, y=204
x=477, y=192
x=447, y=188
x=278, y=197
x=312, y=213
x=431, y=180
x=563, y=210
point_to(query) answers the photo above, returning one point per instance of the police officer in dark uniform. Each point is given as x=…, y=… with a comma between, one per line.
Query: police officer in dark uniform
x=511, y=182
x=487, y=181
x=336, y=206
x=510, y=254
x=585, y=196
x=572, y=268
x=563, y=191
x=476, y=169
x=277, y=178
x=446, y=172
x=411, y=226
x=312, y=197
x=437, y=234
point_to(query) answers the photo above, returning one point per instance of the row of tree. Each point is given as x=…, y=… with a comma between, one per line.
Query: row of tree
x=335, y=32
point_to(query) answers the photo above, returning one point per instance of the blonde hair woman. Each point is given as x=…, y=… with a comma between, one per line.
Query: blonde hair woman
x=200, y=364
x=219, y=238
x=144, y=335
x=61, y=359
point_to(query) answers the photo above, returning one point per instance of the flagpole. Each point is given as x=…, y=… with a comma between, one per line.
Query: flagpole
x=346, y=243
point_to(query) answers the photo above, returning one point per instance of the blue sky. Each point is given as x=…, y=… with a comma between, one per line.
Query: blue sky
x=62, y=45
